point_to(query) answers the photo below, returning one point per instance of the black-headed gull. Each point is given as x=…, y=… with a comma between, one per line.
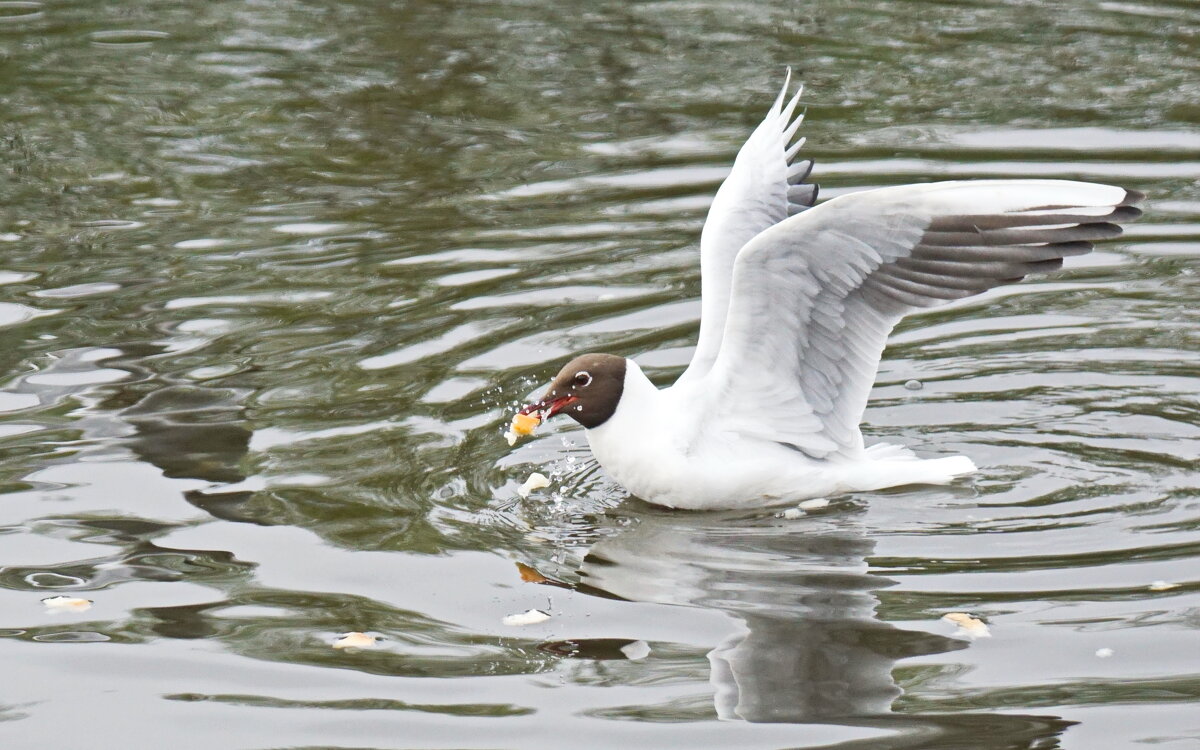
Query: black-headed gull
x=797, y=304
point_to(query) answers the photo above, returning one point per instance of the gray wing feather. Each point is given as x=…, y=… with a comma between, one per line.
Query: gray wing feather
x=815, y=297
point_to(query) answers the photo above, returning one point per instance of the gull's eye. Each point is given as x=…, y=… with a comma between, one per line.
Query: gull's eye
x=583, y=378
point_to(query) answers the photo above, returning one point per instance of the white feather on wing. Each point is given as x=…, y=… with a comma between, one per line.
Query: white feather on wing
x=764, y=187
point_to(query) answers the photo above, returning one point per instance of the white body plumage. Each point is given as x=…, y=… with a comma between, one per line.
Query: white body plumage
x=655, y=451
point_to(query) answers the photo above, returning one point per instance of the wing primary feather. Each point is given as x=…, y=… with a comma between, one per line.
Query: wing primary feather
x=966, y=270
x=1033, y=236
x=977, y=281
x=1044, y=266
x=793, y=150
x=1025, y=219
x=928, y=291
x=880, y=300
x=790, y=132
x=905, y=299
x=791, y=107
x=802, y=194
x=800, y=171
x=1023, y=253
x=787, y=81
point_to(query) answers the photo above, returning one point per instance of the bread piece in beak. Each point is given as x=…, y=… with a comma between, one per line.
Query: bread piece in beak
x=523, y=424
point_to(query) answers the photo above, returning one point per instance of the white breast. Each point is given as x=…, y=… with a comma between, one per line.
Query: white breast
x=639, y=445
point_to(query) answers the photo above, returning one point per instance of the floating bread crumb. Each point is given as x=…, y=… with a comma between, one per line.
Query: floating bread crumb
x=355, y=640
x=636, y=650
x=815, y=504
x=530, y=617
x=67, y=604
x=792, y=514
x=969, y=626
x=1163, y=586
x=1104, y=653
x=536, y=481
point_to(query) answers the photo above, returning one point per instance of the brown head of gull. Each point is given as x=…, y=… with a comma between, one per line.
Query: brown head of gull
x=587, y=389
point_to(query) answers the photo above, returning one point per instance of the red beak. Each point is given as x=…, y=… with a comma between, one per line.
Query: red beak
x=548, y=407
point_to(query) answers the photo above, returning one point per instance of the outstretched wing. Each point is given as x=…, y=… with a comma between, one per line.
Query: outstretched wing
x=814, y=297
x=764, y=188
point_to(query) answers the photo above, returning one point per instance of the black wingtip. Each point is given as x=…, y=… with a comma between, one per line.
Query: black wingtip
x=1046, y=266
x=1101, y=230
x=1125, y=213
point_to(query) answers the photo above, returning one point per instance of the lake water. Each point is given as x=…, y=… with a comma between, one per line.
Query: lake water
x=274, y=273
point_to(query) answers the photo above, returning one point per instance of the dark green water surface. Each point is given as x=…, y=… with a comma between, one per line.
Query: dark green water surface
x=272, y=274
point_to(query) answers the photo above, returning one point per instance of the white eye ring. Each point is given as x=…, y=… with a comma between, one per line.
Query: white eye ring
x=583, y=378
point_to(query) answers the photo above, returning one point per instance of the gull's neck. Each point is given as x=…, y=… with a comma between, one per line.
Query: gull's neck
x=644, y=445
x=638, y=411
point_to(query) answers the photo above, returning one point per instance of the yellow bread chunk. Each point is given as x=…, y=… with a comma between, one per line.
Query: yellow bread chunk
x=355, y=640
x=66, y=604
x=525, y=424
x=967, y=625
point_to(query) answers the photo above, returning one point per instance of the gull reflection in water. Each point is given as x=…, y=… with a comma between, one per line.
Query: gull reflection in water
x=811, y=647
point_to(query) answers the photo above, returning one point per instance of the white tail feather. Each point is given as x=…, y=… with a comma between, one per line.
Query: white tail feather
x=893, y=466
